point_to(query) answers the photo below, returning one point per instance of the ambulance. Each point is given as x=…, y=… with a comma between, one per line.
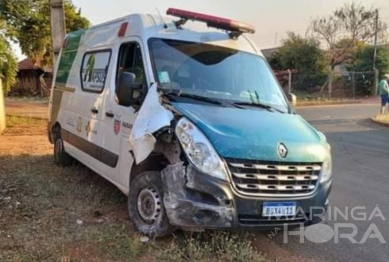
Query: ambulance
x=183, y=114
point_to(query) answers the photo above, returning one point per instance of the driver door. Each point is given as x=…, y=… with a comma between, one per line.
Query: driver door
x=119, y=119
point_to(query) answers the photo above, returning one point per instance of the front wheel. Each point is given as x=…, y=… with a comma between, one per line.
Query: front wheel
x=145, y=205
x=61, y=158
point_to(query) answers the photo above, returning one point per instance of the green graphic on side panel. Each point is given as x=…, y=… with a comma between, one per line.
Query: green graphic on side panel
x=90, y=66
x=68, y=55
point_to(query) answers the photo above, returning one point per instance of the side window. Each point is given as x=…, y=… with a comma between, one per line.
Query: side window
x=94, y=70
x=130, y=60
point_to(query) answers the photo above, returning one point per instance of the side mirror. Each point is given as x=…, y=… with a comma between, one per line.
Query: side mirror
x=128, y=92
x=292, y=98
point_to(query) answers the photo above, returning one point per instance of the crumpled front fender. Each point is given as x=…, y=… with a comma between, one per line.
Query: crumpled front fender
x=151, y=117
x=184, y=205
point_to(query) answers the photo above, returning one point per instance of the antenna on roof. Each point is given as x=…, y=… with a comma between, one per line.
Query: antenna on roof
x=159, y=13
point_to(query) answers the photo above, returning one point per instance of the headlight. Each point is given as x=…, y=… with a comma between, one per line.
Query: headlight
x=199, y=150
x=326, y=172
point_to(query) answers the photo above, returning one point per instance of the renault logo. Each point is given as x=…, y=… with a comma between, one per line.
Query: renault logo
x=282, y=150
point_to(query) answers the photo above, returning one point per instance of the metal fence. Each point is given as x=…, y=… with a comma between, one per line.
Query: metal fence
x=335, y=85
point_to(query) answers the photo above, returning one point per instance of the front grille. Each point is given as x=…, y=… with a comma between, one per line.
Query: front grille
x=260, y=220
x=258, y=178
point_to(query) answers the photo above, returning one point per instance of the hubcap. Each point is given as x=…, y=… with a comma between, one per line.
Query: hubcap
x=149, y=205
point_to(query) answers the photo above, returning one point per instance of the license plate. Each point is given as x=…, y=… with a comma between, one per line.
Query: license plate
x=278, y=209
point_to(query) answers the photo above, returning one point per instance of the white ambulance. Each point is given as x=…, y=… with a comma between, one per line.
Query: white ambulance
x=186, y=118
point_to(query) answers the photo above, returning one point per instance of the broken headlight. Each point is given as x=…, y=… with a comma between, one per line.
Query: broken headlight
x=199, y=150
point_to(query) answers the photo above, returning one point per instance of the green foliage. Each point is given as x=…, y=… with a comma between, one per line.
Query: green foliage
x=28, y=23
x=302, y=54
x=364, y=59
x=275, y=62
x=345, y=29
x=8, y=64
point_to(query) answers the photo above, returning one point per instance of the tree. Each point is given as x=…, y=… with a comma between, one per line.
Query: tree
x=275, y=61
x=302, y=54
x=8, y=63
x=345, y=29
x=28, y=23
x=364, y=59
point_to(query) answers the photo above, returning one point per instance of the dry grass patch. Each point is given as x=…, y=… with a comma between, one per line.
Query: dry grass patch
x=21, y=125
x=382, y=118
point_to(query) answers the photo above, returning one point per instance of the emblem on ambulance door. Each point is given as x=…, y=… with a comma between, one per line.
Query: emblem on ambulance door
x=282, y=150
x=79, y=125
x=116, y=126
x=88, y=129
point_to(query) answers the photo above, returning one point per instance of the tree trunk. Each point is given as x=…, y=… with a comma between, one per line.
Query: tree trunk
x=2, y=109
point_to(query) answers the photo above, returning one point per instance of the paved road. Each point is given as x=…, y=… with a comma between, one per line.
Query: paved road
x=361, y=178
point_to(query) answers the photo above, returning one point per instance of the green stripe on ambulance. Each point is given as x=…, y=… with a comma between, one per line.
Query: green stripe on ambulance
x=69, y=53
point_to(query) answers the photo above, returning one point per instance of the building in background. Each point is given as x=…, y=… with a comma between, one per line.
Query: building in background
x=33, y=79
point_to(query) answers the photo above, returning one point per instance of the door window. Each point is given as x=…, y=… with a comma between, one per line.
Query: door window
x=130, y=60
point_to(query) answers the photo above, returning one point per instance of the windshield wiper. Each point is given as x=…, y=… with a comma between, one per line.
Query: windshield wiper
x=260, y=105
x=194, y=97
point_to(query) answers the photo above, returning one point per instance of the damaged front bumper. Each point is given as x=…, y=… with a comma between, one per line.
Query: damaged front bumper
x=195, y=201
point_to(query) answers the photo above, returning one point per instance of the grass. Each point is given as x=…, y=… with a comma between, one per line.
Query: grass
x=33, y=99
x=382, y=118
x=307, y=99
x=22, y=125
x=24, y=121
x=41, y=203
x=211, y=246
x=49, y=213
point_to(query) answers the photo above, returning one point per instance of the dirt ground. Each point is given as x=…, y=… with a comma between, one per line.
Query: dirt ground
x=27, y=107
x=50, y=213
x=24, y=136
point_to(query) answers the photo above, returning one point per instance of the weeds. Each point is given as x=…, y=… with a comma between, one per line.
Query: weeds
x=216, y=246
x=117, y=243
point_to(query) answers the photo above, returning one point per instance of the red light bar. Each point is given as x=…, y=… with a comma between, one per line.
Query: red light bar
x=212, y=21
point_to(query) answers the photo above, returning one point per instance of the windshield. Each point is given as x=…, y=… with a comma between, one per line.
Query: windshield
x=215, y=72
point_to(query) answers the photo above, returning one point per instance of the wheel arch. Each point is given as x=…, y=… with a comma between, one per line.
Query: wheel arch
x=155, y=162
x=56, y=129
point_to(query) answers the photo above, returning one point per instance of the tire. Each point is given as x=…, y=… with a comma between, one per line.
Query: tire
x=61, y=158
x=152, y=221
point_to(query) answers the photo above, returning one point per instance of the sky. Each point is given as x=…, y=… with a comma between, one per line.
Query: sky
x=272, y=18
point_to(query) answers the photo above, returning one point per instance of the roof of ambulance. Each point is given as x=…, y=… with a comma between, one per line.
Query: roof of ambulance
x=148, y=26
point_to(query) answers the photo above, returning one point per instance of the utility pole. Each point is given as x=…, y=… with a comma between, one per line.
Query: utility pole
x=375, y=40
x=375, y=89
x=2, y=109
x=57, y=17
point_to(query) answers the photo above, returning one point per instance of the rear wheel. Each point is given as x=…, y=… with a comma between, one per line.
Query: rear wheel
x=61, y=158
x=145, y=205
